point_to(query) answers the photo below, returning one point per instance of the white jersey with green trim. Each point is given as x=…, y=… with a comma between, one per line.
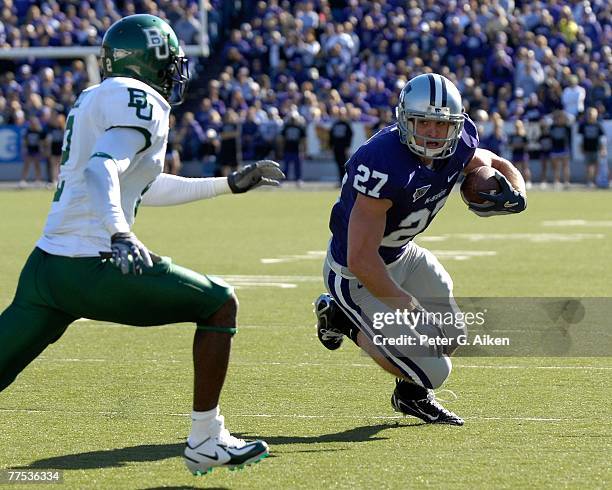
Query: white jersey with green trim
x=73, y=229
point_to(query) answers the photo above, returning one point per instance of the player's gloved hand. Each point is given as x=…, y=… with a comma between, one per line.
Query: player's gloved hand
x=508, y=201
x=263, y=172
x=129, y=254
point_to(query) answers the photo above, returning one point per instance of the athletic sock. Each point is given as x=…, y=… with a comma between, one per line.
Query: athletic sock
x=201, y=424
x=411, y=391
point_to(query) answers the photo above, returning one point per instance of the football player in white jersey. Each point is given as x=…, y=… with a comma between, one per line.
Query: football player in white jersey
x=113, y=156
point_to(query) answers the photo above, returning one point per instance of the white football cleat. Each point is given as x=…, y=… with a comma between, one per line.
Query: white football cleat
x=222, y=450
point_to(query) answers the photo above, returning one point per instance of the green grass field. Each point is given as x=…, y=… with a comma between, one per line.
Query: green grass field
x=109, y=404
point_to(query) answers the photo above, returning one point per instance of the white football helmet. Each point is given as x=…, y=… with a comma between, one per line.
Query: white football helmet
x=430, y=97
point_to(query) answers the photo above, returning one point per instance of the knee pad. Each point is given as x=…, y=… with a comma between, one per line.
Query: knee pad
x=217, y=329
x=224, y=316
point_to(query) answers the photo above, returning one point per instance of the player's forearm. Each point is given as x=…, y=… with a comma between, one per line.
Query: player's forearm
x=368, y=266
x=511, y=173
x=170, y=190
x=488, y=158
x=366, y=230
x=102, y=180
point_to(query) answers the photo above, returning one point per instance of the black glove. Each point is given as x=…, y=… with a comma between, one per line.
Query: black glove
x=508, y=201
x=263, y=172
x=125, y=246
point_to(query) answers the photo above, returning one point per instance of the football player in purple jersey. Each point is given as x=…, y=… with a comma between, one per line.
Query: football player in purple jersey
x=381, y=284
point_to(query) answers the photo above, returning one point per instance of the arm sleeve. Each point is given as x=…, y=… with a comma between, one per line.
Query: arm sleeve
x=169, y=190
x=111, y=156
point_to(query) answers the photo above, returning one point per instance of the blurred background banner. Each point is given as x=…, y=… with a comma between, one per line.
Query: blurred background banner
x=10, y=144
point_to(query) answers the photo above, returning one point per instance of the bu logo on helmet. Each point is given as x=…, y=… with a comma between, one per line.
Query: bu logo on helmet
x=156, y=40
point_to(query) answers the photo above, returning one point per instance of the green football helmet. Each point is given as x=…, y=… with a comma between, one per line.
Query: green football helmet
x=146, y=48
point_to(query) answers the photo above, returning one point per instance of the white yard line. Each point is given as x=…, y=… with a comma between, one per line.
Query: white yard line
x=476, y=366
x=523, y=237
x=577, y=222
x=275, y=416
x=308, y=364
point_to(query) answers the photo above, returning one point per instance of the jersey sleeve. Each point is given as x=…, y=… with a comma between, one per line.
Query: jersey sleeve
x=468, y=143
x=469, y=135
x=124, y=106
x=372, y=175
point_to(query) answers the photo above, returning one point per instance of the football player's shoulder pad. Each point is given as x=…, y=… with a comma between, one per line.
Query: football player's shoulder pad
x=469, y=135
x=127, y=102
x=380, y=168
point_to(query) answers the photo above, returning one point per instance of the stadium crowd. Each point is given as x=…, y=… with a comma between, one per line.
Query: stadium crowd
x=540, y=64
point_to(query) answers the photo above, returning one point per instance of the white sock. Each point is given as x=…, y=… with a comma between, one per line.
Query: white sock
x=200, y=425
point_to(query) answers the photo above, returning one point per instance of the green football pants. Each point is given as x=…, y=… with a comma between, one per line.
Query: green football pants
x=54, y=291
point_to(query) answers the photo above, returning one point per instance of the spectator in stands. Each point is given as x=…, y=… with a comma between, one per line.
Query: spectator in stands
x=258, y=53
x=230, y=151
x=593, y=143
x=203, y=115
x=294, y=145
x=568, y=27
x=573, y=99
x=518, y=145
x=245, y=84
x=209, y=152
x=238, y=103
x=216, y=101
x=497, y=140
x=236, y=42
x=34, y=150
x=55, y=139
x=545, y=144
x=188, y=26
x=250, y=134
x=48, y=85
x=3, y=111
x=378, y=96
x=307, y=16
x=172, y=162
x=275, y=51
x=561, y=135
x=270, y=130
x=190, y=136
x=499, y=69
x=529, y=73
x=309, y=48
x=534, y=109
x=600, y=94
x=340, y=138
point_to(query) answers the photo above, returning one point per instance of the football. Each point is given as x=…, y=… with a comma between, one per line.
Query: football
x=482, y=179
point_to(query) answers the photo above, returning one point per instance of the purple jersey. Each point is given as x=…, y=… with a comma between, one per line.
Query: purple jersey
x=384, y=168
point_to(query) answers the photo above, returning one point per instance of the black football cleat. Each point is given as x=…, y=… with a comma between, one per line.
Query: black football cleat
x=326, y=309
x=413, y=400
